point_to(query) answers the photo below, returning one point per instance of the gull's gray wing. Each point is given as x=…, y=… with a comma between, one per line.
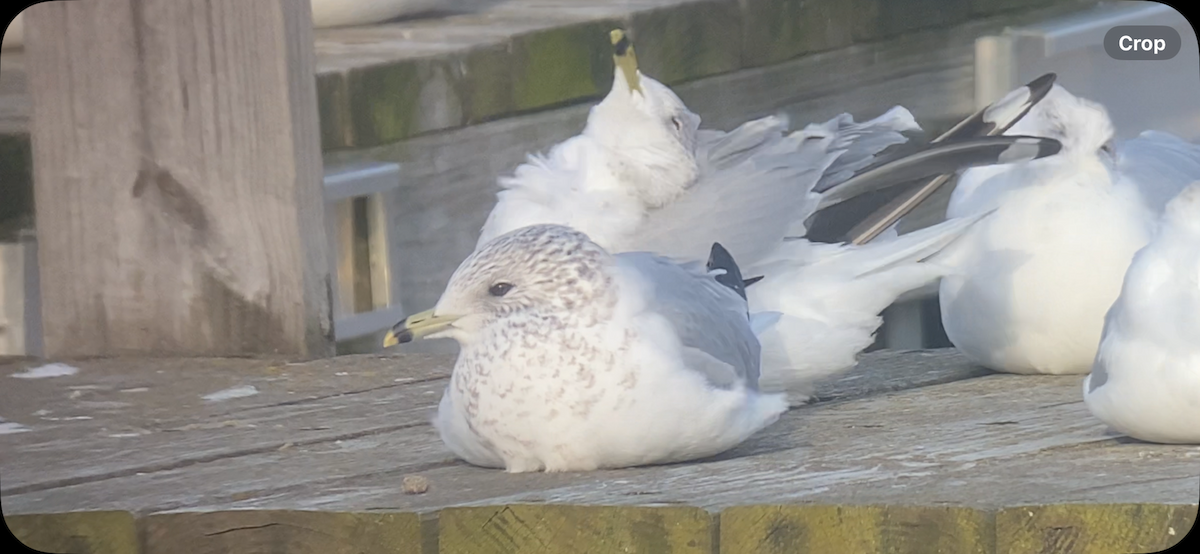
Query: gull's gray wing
x=753, y=183
x=756, y=183
x=709, y=318
x=992, y=120
x=1161, y=164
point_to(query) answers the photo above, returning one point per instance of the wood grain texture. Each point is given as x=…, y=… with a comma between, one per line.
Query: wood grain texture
x=293, y=532
x=923, y=428
x=575, y=529
x=76, y=532
x=850, y=529
x=1098, y=529
x=178, y=176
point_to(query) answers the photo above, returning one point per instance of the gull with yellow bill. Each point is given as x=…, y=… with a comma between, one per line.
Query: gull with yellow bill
x=575, y=359
x=643, y=176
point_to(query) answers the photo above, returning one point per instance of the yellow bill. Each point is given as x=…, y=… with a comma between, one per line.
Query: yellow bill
x=416, y=326
x=625, y=59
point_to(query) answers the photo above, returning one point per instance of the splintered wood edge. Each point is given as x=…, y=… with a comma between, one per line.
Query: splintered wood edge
x=852, y=529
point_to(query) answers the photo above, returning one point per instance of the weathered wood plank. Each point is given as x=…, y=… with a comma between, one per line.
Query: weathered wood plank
x=326, y=408
x=1076, y=529
x=293, y=532
x=158, y=408
x=14, y=94
x=856, y=529
x=979, y=442
x=180, y=142
x=76, y=532
x=529, y=54
x=575, y=529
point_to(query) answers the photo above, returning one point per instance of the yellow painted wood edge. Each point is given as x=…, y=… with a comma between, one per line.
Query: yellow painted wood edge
x=576, y=529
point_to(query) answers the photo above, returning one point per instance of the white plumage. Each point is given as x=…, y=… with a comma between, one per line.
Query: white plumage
x=573, y=359
x=1033, y=281
x=1146, y=378
x=642, y=176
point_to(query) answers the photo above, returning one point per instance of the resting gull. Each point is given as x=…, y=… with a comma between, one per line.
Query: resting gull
x=1145, y=381
x=643, y=176
x=574, y=359
x=1032, y=282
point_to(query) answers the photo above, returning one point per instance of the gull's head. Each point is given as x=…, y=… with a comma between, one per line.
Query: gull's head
x=1082, y=126
x=537, y=274
x=646, y=129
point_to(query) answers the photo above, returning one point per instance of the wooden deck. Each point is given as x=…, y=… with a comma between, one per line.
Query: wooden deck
x=909, y=449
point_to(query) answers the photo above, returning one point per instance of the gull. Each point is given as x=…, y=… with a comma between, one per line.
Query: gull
x=574, y=359
x=1032, y=282
x=1145, y=381
x=643, y=176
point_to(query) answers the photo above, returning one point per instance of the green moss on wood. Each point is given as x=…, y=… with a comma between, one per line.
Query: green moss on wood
x=333, y=105
x=687, y=42
x=296, y=532
x=383, y=102
x=855, y=529
x=553, y=529
x=487, y=83
x=563, y=64
x=779, y=30
x=77, y=532
x=1092, y=528
x=897, y=17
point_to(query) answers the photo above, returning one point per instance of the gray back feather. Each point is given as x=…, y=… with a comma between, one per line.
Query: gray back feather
x=708, y=317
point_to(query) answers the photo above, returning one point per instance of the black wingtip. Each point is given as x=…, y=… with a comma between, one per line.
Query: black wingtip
x=1028, y=148
x=752, y=280
x=1038, y=88
x=977, y=124
x=720, y=258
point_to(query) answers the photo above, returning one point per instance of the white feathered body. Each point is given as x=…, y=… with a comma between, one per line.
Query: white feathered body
x=830, y=298
x=625, y=397
x=1146, y=378
x=1033, y=281
x=571, y=185
x=753, y=187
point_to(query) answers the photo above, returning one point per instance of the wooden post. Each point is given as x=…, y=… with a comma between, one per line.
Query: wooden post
x=177, y=178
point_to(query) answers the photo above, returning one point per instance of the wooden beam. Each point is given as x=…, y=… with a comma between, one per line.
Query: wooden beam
x=177, y=171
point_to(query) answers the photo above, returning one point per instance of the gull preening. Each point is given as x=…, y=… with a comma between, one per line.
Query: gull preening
x=1033, y=281
x=575, y=359
x=643, y=176
x=1146, y=378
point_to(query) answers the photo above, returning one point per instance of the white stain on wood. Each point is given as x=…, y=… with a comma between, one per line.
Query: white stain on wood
x=231, y=393
x=47, y=371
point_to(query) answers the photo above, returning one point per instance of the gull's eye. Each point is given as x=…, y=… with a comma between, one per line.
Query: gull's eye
x=678, y=123
x=500, y=289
